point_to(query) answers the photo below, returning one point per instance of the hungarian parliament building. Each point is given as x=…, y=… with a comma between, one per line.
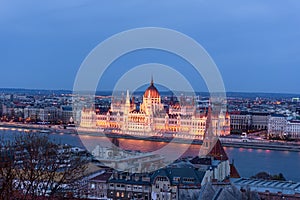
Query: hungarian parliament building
x=150, y=118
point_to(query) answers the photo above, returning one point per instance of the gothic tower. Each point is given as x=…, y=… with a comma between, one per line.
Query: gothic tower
x=210, y=134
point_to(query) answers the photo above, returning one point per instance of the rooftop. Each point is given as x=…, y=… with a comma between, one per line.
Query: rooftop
x=187, y=176
x=273, y=186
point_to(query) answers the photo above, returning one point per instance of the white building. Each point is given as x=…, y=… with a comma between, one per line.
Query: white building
x=130, y=161
x=32, y=113
x=293, y=129
x=279, y=126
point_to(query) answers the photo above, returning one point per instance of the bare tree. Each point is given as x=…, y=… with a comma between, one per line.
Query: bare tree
x=7, y=173
x=39, y=167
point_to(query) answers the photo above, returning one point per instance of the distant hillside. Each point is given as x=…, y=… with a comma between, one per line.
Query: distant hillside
x=33, y=91
x=163, y=91
x=261, y=95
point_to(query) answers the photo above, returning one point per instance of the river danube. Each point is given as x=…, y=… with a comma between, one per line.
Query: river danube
x=248, y=161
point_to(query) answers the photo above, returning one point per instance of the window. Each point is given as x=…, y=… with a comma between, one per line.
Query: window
x=176, y=178
x=135, y=187
x=191, y=180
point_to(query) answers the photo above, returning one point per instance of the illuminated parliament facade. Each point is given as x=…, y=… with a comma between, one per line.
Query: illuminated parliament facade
x=152, y=118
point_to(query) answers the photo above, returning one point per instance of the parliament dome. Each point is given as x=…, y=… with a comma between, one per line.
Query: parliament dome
x=151, y=91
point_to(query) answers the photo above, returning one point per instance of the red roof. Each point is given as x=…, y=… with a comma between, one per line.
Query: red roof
x=151, y=91
x=233, y=172
x=218, y=152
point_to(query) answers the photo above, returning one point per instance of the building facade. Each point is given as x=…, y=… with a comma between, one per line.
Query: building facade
x=280, y=126
x=293, y=129
x=129, y=186
x=277, y=125
x=240, y=121
x=175, y=183
x=152, y=119
x=98, y=186
x=247, y=121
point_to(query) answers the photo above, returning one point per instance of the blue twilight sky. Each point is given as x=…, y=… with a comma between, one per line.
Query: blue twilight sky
x=255, y=43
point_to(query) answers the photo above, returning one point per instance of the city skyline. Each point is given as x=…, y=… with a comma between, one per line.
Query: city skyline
x=155, y=100
x=254, y=44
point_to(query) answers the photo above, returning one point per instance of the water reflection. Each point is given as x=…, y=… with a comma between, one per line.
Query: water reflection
x=259, y=150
